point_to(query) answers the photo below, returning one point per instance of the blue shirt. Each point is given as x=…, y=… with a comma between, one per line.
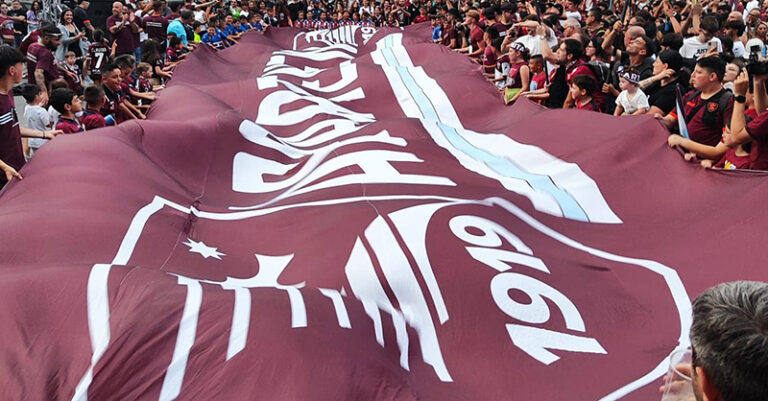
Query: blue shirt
x=178, y=28
x=230, y=30
x=216, y=40
x=436, y=33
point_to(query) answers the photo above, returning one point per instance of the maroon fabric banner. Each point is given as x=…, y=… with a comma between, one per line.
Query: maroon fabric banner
x=354, y=215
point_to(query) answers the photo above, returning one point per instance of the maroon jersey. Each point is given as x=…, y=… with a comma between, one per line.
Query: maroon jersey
x=591, y=106
x=732, y=161
x=111, y=106
x=74, y=83
x=11, y=151
x=69, y=126
x=514, y=80
x=144, y=85
x=91, y=119
x=40, y=58
x=98, y=56
x=706, y=126
x=155, y=27
x=172, y=55
x=758, y=130
x=32, y=37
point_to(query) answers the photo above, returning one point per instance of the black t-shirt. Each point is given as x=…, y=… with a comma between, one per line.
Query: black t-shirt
x=294, y=9
x=20, y=26
x=80, y=17
x=558, y=90
x=662, y=97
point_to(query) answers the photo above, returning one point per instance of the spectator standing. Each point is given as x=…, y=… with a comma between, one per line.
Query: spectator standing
x=121, y=26
x=177, y=26
x=41, y=65
x=82, y=19
x=72, y=39
x=707, y=109
x=11, y=151
x=155, y=25
x=34, y=16
x=705, y=41
x=7, y=24
x=757, y=129
x=18, y=14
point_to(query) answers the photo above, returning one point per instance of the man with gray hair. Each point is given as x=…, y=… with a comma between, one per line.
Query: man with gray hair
x=572, y=29
x=729, y=340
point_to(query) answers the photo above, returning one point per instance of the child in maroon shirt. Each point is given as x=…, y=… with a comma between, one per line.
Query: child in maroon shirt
x=94, y=100
x=582, y=88
x=66, y=102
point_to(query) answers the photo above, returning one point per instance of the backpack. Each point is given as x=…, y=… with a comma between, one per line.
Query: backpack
x=602, y=71
x=710, y=116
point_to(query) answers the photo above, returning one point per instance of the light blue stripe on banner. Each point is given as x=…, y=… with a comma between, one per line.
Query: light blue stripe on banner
x=500, y=165
x=507, y=168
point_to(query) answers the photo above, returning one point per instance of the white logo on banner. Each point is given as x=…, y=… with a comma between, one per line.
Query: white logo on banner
x=309, y=162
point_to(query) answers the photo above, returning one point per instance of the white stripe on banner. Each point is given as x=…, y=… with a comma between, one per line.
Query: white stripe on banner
x=338, y=305
x=553, y=186
x=174, y=375
x=98, y=323
x=241, y=321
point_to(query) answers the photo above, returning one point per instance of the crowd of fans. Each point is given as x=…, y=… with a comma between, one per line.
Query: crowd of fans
x=697, y=65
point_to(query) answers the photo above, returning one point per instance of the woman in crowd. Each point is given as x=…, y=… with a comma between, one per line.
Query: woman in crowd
x=72, y=39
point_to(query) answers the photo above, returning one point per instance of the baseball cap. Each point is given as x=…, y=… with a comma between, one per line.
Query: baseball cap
x=630, y=76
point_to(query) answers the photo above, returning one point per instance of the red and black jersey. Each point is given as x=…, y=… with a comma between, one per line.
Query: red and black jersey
x=98, y=56
x=92, y=119
x=111, y=106
x=69, y=126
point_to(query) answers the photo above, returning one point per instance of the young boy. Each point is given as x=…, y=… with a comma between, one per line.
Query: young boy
x=70, y=64
x=57, y=84
x=35, y=115
x=67, y=103
x=94, y=101
x=538, y=79
x=631, y=100
x=729, y=159
x=582, y=87
x=214, y=38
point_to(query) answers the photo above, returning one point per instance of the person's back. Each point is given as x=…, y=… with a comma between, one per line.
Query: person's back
x=729, y=340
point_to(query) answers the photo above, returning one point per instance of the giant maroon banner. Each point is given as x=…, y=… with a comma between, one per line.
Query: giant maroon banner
x=354, y=215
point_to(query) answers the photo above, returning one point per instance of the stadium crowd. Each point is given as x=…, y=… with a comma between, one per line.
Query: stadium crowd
x=697, y=65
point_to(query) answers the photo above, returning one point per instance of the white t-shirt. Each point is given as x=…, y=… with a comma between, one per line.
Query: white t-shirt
x=504, y=73
x=573, y=14
x=36, y=117
x=739, y=51
x=632, y=103
x=692, y=48
x=533, y=43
